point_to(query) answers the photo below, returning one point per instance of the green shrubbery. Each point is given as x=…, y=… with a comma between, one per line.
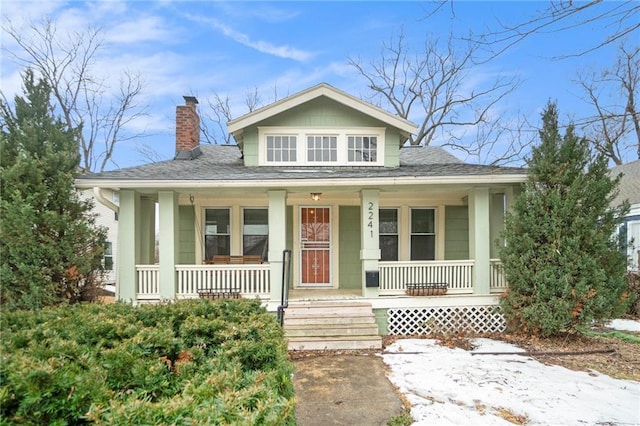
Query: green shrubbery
x=564, y=267
x=192, y=362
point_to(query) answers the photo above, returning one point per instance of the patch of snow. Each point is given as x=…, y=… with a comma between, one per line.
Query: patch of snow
x=624, y=325
x=453, y=386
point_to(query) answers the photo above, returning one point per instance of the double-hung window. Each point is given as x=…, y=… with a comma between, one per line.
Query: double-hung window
x=108, y=257
x=217, y=232
x=388, y=220
x=423, y=234
x=255, y=232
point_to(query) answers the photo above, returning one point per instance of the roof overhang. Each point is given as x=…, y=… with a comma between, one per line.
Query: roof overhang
x=474, y=180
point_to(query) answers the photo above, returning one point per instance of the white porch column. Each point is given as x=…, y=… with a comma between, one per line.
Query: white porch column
x=479, y=238
x=168, y=243
x=369, y=238
x=277, y=240
x=128, y=246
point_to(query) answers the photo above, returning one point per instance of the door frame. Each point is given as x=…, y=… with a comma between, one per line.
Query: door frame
x=300, y=250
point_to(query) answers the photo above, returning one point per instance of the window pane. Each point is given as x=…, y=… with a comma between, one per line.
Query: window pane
x=217, y=221
x=388, y=219
x=389, y=247
x=422, y=221
x=256, y=245
x=423, y=247
x=217, y=244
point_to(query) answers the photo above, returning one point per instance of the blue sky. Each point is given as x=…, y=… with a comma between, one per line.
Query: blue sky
x=201, y=47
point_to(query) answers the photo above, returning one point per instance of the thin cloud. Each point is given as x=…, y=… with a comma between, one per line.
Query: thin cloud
x=286, y=52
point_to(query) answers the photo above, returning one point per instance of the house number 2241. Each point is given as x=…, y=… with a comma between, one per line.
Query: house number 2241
x=371, y=212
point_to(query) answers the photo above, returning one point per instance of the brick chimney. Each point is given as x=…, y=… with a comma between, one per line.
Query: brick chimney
x=187, y=130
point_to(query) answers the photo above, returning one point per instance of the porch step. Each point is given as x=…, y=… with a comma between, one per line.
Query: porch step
x=327, y=326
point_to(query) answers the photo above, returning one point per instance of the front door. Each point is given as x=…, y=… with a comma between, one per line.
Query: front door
x=315, y=246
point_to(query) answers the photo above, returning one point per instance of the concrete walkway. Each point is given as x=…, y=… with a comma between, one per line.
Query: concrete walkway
x=343, y=389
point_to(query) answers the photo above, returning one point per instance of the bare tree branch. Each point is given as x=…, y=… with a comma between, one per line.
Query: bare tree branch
x=620, y=16
x=438, y=86
x=65, y=63
x=614, y=128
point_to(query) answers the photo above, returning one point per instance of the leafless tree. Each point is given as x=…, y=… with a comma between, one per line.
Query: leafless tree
x=621, y=17
x=214, y=123
x=439, y=86
x=65, y=62
x=614, y=128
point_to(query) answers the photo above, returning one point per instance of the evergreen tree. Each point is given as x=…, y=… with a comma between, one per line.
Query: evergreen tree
x=563, y=266
x=51, y=250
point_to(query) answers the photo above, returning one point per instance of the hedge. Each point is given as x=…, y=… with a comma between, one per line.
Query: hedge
x=186, y=363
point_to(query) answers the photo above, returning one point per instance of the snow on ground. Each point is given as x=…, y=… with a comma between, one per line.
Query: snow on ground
x=452, y=387
x=624, y=325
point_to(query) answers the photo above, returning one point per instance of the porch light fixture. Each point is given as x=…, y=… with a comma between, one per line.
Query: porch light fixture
x=315, y=196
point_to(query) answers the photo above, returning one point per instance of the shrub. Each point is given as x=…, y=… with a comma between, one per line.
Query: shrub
x=191, y=362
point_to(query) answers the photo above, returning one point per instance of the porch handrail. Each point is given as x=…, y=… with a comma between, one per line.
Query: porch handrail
x=248, y=279
x=458, y=274
x=286, y=281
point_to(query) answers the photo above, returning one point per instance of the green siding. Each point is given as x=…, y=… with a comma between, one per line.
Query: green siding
x=381, y=321
x=289, y=238
x=349, y=243
x=320, y=112
x=456, y=233
x=497, y=223
x=186, y=236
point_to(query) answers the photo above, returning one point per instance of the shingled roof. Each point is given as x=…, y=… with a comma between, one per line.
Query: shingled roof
x=629, y=184
x=224, y=163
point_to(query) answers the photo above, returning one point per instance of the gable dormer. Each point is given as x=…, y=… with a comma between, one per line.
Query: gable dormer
x=321, y=126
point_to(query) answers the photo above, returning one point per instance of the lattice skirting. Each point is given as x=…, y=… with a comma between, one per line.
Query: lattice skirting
x=449, y=319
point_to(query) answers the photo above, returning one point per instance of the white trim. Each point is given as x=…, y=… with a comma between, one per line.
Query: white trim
x=301, y=133
x=300, y=182
x=237, y=125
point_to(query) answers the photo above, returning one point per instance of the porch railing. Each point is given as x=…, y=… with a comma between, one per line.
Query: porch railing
x=249, y=280
x=148, y=282
x=456, y=273
x=497, y=282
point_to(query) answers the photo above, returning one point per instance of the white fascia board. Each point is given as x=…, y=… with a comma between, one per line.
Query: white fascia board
x=302, y=183
x=320, y=90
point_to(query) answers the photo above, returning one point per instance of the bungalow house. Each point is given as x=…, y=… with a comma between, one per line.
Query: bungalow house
x=322, y=198
x=630, y=190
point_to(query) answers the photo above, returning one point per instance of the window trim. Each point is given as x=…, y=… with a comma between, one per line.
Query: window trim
x=341, y=133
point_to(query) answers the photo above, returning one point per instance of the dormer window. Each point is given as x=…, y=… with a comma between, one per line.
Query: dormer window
x=335, y=147
x=281, y=149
